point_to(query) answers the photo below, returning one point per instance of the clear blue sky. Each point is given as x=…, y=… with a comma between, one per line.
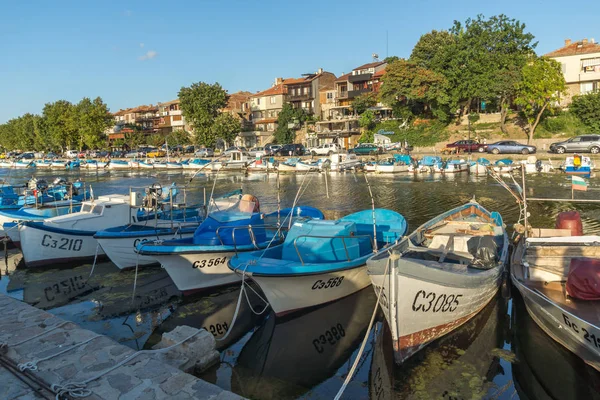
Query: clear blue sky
x=142, y=52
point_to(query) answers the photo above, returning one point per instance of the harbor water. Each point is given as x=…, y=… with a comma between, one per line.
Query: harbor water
x=499, y=354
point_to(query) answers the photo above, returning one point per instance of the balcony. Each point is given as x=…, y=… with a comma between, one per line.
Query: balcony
x=299, y=97
x=358, y=92
x=342, y=95
x=360, y=77
x=174, y=112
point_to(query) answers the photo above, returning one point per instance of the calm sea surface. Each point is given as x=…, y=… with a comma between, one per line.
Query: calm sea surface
x=500, y=354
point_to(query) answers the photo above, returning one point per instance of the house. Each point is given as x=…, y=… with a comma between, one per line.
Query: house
x=171, y=118
x=142, y=119
x=265, y=107
x=238, y=105
x=580, y=62
x=304, y=92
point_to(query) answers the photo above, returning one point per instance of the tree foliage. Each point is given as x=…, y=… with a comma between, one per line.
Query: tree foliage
x=226, y=127
x=367, y=120
x=361, y=103
x=201, y=104
x=60, y=122
x=542, y=84
x=288, y=116
x=178, y=137
x=93, y=118
x=587, y=109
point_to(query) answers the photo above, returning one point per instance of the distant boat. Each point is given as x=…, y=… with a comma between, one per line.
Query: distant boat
x=24, y=164
x=119, y=164
x=425, y=165
x=392, y=165
x=578, y=165
x=440, y=276
x=503, y=165
x=479, y=167
x=343, y=161
x=451, y=166
x=533, y=165
x=320, y=260
x=288, y=165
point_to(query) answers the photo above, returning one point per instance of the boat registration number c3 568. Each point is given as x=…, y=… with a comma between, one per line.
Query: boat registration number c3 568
x=211, y=262
x=62, y=243
x=331, y=336
x=430, y=301
x=581, y=331
x=332, y=282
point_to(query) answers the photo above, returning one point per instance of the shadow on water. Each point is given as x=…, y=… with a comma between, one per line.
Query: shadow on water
x=309, y=355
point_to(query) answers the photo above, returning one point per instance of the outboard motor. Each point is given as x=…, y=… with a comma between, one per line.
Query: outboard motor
x=538, y=165
x=37, y=184
x=153, y=194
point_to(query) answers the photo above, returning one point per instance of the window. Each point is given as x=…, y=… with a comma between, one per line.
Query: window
x=329, y=95
x=305, y=90
x=273, y=100
x=563, y=66
x=576, y=139
x=588, y=87
x=258, y=101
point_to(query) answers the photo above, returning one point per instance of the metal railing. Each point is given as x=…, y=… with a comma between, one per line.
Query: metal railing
x=371, y=241
x=250, y=228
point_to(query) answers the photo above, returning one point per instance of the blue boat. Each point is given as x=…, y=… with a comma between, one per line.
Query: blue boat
x=503, y=165
x=479, y=167
x=320, y=261
x=200, y=262
x=426, y=164
x=578, y=165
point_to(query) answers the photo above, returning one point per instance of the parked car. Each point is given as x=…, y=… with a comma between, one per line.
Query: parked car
x=135, y=154
x=463, y=146
x=294, y=149
x=256, y=151
x=71, y=153
x=189, y=149
x=271, y=149
x=156, y=153
x=579, y=144
x=325, y=149
x=366, y=149
x=510, y=146
x=27, y=156
x=117, y=154
x=204, y=152
x=51, y=155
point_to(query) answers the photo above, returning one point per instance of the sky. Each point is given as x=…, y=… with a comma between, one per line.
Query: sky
x=142, y=52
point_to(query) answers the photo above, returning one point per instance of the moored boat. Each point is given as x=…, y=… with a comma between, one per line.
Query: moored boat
x=320, y=261
x=119, y=164
x=288, y=165
x=440, y=276
x=479, y=167
x=578, y=165
x=451, y=166
x=344, y=161
x=504, y=165
x=392, y=165
x=425, y=165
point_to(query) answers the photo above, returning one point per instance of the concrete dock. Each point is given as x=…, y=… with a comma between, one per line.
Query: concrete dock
x=42, y=356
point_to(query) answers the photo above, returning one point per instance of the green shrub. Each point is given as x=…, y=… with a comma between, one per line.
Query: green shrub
x=427, y=134
x=587, y=109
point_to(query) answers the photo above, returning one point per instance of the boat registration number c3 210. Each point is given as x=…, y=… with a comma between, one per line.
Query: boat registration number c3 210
x=209, y=262
x=332, y=282
x=430, y=301
x=62, y=243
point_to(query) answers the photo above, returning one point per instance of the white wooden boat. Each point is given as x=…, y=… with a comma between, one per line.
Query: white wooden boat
x=59, y=164
x=451, y=166
x=174, y=165
x=6, y=164
x=307, y=165
x=24, y=164
x=134, y=164
x=145, y=165
x=119, y=165
x=45, y=164
x=391, y=166
x=344, y=161
x=541, y=269
x=479, y=167
x=261, y=164
x=532, y=165
x=288, y=165
x=505, y=165
x=440, y=276
x=370, y=166
x=238, y=160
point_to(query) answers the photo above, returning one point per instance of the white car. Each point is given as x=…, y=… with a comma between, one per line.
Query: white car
x=204, y=152
x=326, y=149
x=71, y=153
x=256, y=152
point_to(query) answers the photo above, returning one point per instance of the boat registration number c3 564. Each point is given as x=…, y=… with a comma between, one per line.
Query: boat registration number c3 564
x=581, y=331
x=430, y=301
x=211, y=262
x=62, y=243
x=332, y=282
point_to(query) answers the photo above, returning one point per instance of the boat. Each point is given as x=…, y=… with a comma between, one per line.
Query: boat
x=320, y=261
x=425, y=165
x=45, y=164
x=344, y=161
x=73, y=164
x=118, y=164
x=6, y=164
x=503, y=165
x=578, y=165
x=370, y=166
x=392, y=165
x=174, y=165
x=59, y=164
x=194, y=164
x=555, y=273
x=288, y=165
x=24, y=164
x=440, y=276
x=262, y=163
x=324, y=339
x=533, y=165
x=451, y=166
x=95, y=164
x=119, y=243
x=316, y=165
x=238, y=160
x=479, y=167
x=145, y=164
x=133, y=164
x=200, y=262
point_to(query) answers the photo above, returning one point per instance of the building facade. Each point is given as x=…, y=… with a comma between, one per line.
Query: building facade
x=142, y=120
x=171, y=118
x=580, y=62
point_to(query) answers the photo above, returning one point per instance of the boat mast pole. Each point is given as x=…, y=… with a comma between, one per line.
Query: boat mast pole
x=524, y=199
x=278, y=198
x=373, y=213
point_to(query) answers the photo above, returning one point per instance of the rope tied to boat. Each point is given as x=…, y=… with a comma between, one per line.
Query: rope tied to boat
x=70, y=389
x=32, y=365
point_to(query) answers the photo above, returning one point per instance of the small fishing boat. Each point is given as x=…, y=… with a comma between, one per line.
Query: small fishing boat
x=578, y=165
x=288, y=165
x=145, y=164
x=320, y=261
x=533, y=165
x=174, y=165
x=200, y=262
x=451, y=166
x=425, y=165
x=6, y=164
x=73, y=164
x=344, y=161
x=119, y=165
x=556, y=272
x=262, y=163
x=479, y=167
x=45, y=164
x=24, y=164
x=194, y=164
x=59, y=164
x=504, y=165
x=238, y=160
x=393, y=165
x=307, y=165
x=370, y=166
x=440, y=276
x=133, y=164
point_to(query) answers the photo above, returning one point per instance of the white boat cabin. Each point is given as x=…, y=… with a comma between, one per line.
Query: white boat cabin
x=102, y=213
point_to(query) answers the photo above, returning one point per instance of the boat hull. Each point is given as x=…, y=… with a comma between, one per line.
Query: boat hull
x=391, y=169
x=43, y=247
x=287, y=294
x=478, y=169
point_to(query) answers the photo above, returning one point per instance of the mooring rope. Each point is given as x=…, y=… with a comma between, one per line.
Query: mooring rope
x=32, y=365
x=4, y=345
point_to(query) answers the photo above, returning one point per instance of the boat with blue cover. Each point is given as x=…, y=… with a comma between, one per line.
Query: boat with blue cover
x=308, y=165
x=503, y=165
x=200, y=262
x=320, y=261
x=194, y=163
x=288, y=165
x=395, y=164
x=479, y=167
x=119, y=243
x=451, y=166
x=425, y=165
x=119, y=164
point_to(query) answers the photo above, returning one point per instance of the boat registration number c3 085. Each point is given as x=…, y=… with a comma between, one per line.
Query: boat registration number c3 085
x=332, y=282
x=430, y=301
x=62, y=243
x=584, y=333
x=210, y=262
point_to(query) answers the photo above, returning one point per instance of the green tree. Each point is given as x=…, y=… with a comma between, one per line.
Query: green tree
x=411, y=89
x=226, y=127
x=367, y=120
x=60, y=122
x=542, y=85
x=135, y=138
x=587, y=109
x=391, y=59
x=288, y=116
x=434, y=50
x=361, y=103
x=156, y=140
x=178, y=137
x=93, y=118
x=200, y=104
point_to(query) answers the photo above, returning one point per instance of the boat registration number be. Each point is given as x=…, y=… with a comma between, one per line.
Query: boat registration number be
x=211, y=262
x=430, y=301
x=62, y=243
x=581, y=331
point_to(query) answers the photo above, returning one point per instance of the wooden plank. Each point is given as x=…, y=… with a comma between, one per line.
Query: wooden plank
x=544, y=232
x=563, y=251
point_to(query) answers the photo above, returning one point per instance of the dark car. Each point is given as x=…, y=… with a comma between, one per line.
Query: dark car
x=578, y=144
x=366, y=149
x=117, y=154
x=464, y=146
x=271, y=149
x=294, y=149
x=27, y=156
x=510, y=146
x=189, y=149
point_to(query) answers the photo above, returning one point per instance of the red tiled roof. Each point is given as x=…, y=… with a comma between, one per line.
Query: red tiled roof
x=343, y=78
x=574, y=49
x=370, y=65
x=379, y=73
x=277, y=89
